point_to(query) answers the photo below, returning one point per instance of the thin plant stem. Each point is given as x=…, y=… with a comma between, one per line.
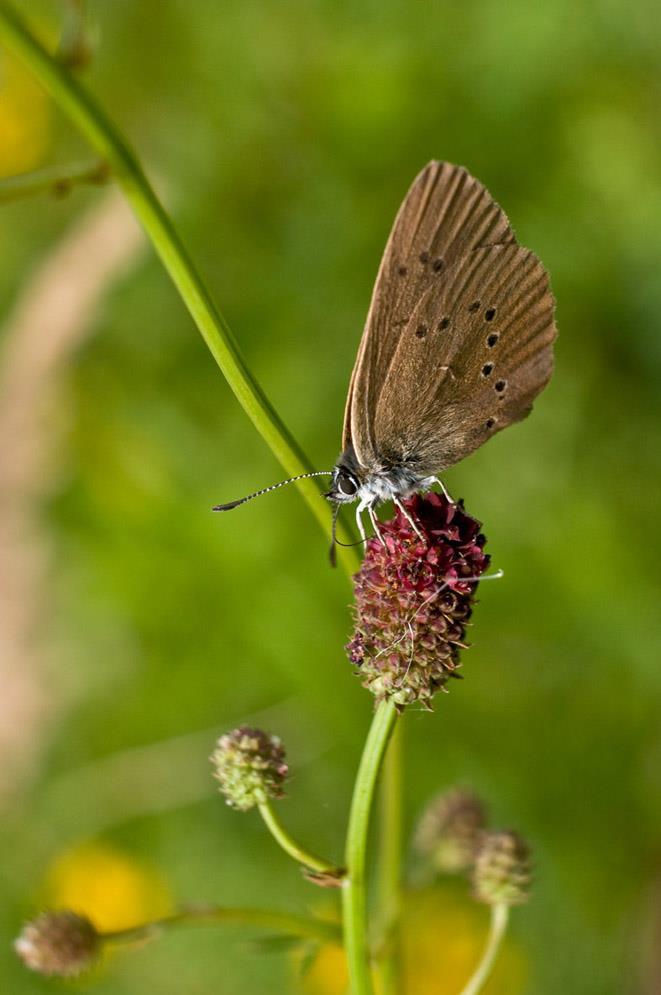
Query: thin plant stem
x=111, y=145
x=103, y=135
x=292, y=847
x=498, y=926
x=201, y=915
x=55, y=180
x=389, y=862
x=354, y=895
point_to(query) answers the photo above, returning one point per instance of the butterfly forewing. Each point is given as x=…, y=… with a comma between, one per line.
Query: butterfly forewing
x=474, y=354
x=445, y=215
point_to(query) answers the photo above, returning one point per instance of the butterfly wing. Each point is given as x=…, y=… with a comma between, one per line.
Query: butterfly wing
x=476, y=351
x=445, y=214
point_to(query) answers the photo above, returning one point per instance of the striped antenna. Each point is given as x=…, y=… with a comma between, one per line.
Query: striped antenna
x=273, y=487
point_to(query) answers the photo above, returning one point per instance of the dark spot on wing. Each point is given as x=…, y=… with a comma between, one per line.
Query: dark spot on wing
x=443, y=324
x=437, y=265
x=492, y=339
x=500, y=385
x=475, y=306
x=487, y=369
x=421, y=330
x=490, y=314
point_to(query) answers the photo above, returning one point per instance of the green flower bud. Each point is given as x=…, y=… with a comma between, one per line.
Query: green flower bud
x=503, y=871
x=58, y=943
x=250, y=767
x=449, y=829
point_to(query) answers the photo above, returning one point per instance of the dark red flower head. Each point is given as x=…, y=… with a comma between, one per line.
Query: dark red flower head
x=414, y=598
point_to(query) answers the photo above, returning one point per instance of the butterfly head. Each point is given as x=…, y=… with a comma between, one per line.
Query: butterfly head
x=345, y=485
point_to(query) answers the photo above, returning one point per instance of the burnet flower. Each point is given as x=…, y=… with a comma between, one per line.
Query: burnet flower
x=58, y=943
x=502, y=873
x=414, y=598
x=250, y=767
x=449, y=830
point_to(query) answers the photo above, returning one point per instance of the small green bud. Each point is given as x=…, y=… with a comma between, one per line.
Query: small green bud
x=449, y=830
x=502, y=874
x=58, y=943
x=250, y=767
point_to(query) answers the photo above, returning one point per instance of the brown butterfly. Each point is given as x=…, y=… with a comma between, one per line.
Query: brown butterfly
x=458, y=342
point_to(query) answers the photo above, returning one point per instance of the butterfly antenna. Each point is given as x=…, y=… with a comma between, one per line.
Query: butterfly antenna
x=273, y=487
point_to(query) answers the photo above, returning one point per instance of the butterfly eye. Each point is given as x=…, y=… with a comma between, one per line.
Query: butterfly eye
x=346, y=485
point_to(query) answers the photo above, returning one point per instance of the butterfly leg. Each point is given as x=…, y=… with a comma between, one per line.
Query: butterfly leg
x=375, y=524
x=359, y=521
x=408, y=518
x=446, y=493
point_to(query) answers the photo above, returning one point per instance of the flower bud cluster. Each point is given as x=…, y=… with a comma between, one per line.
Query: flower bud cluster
x=452, y=836
x=449, y=830
x=250, y=767
x=58, y=943
x=503, y=871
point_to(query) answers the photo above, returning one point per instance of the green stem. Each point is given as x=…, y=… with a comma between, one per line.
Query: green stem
x=389, y=864
x=56, y=180
x=499, y=918
x=200, y=915
x=103, y=135
x=354, y=897
x=294, y=849
x=111, y=145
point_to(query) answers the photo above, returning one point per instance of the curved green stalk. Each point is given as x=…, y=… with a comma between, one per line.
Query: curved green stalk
x=111, y=145
x=499, y=918
x=290, y=846
x=113, y=148
x=200, y=915
x=354, y=897
x=389, y=860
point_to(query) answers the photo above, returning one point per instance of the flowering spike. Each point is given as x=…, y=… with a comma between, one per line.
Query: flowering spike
x=414, y=599
x=503, y=871
x=250, y=767
x=449, y=830
x=58, y=943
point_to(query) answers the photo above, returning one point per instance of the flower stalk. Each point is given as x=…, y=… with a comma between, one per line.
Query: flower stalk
x=389, y=863
x=354, y=896
x=114, y=150
x=306, y=927
x=292, y=847
x=497, y=929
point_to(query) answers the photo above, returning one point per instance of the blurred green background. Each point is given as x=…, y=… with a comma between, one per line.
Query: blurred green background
x=284, y=136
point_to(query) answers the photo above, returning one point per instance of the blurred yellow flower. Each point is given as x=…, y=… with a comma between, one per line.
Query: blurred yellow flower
x=25, y=117
x=443, y=935
x=113, y=889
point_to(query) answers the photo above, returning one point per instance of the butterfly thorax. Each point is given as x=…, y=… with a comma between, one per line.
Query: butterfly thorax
x=372, y=485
